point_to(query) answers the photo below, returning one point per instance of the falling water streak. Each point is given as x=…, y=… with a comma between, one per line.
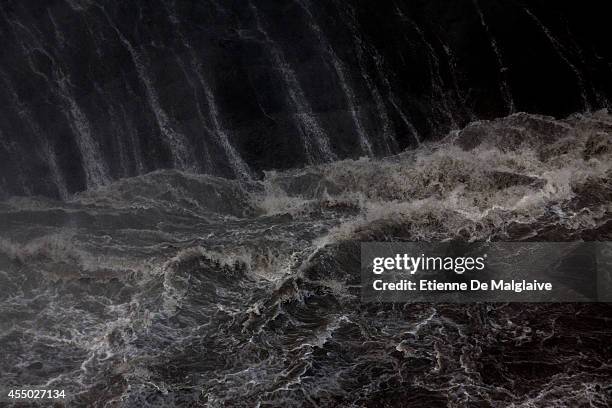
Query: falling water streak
x=452, y=67
x=366, y=146
x=504, y=87
x=378, y=99
x=396, y=105
x=600, y=98
x=48, y=149
x=559, y=49
x=75, y=5
x=239, y=167
x=56, y=172
x=437, y=84
x=119, y=127
x=182, y=155
x=25, y=114
x=208, y=163
x=58, y=34
x=394, y=102
x=132, y=132
x=117, y=131
x=311, y=129
x=10, y=148
x=450, y=58
x=409, y=125
x=89, y=141
x=96, y=173
x=92, y=33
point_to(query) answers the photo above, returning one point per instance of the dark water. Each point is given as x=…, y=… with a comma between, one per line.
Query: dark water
x=174, y=289
x=95, y=91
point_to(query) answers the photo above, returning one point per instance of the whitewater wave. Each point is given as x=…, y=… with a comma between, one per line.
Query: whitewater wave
x=475, y=181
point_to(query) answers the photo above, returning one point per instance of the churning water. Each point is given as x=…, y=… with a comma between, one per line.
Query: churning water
x=172, y=288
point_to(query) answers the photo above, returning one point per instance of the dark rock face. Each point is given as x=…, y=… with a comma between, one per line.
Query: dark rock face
x=95, y=91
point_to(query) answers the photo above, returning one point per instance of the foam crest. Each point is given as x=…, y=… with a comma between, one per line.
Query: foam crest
x=491, y=173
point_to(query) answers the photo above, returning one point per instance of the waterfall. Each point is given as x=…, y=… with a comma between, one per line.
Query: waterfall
x=124, y=138
x=132, y=133
x=437, y=84
x=56, y=172
x=504, y=87
x=182, y=153
x=559, y=49
x=311, y=129
x=208, y=162
x=239, y=167
x=359, y=45
x=13, y=151
x=47, y=150
x=98, y=91
x=366, y=146
x=407, y=123
x=96, y=173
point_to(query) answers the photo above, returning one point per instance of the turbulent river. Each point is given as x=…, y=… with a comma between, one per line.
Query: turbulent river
x=172, y=288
